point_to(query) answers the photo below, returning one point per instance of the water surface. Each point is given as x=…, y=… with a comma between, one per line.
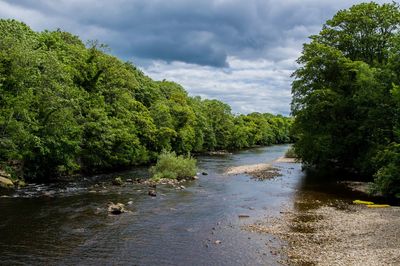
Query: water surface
x=68, y=224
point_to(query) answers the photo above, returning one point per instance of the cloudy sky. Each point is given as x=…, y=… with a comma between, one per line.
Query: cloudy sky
x=239, y=51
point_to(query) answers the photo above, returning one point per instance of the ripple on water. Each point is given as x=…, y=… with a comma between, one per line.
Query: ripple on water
x=69, y=223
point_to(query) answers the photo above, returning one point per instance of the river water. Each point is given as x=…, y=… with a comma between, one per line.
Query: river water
x=68, y=224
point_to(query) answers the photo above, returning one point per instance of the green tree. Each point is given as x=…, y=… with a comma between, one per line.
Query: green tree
x=66, y=108
x=341, y=94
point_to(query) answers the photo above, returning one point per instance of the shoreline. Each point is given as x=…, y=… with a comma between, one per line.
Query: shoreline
x=336, y=234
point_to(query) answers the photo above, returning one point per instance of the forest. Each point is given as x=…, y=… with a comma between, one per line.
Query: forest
x=346, y=96
x=67, y=107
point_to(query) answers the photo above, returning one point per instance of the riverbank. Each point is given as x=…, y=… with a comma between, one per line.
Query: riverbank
x=336, y=234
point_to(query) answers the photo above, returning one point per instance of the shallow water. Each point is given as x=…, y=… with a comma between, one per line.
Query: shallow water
x=68, y=224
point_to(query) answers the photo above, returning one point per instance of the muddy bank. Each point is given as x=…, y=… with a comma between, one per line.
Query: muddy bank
x=340, y=234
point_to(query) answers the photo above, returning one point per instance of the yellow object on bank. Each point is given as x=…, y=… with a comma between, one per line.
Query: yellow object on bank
x=378, y=206
x=363, y=202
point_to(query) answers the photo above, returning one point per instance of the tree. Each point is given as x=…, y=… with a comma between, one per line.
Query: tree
x=68, y=108
x=341, y=93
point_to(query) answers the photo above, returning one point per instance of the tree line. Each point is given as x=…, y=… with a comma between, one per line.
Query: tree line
x=67, y=107
x=346, y=96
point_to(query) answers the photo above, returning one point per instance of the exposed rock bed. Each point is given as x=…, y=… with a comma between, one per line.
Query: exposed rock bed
x=256, y=171
x=349, y=235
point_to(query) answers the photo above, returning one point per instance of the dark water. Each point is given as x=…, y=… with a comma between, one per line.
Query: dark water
x=69, y=224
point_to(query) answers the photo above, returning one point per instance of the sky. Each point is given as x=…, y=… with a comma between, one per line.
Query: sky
x=240, y=52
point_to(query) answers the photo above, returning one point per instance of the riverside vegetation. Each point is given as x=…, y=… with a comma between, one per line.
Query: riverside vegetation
x=67, y=108
x=346, y=96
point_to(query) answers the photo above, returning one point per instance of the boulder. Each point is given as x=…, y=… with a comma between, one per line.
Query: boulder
x=152, y=193
x=4, y=174
x=6, y=183
x=118, y=181
x=20, y=183
x=116, y=209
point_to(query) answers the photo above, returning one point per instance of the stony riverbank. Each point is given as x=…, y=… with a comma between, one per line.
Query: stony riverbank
x=336, y=234
x=256, y=171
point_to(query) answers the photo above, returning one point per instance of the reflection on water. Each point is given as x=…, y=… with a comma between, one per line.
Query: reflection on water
x=69, y=223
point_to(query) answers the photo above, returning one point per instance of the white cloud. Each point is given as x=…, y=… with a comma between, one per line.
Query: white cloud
x=249, y=86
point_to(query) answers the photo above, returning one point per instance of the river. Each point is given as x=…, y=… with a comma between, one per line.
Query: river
x=68, y=224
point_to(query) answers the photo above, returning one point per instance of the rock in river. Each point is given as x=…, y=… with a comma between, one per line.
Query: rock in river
x=117, y=208
x=118, y=181
x=152, y=192
x=6, y=183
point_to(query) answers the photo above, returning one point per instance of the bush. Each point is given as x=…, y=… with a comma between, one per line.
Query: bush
x=387, y=178
x=171, y=166
x=290, y=153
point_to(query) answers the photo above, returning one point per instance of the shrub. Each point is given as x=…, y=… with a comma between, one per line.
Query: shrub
x=387, y=178
x=290, y=153
x=171, y=166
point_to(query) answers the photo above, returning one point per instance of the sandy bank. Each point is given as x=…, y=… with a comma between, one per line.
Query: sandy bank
x=350, y=235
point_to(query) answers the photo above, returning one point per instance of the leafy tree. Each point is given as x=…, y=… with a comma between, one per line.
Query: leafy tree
x=67, y=108
x=341, y=94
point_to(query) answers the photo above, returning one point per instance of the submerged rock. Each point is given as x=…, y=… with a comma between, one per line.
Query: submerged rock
x=116, y=209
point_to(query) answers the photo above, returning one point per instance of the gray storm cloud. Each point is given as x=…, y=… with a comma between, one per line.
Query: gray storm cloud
x=207, y=34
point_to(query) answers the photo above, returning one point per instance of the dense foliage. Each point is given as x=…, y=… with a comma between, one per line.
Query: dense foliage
x=171, y=166
x=67, y=108
x=346, y=96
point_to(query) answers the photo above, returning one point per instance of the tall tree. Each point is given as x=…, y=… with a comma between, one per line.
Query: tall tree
x=342, y=100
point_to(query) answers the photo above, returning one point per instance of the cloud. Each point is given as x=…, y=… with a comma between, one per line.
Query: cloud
x=234, y=44
x=201, y=32
x=248, y=86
